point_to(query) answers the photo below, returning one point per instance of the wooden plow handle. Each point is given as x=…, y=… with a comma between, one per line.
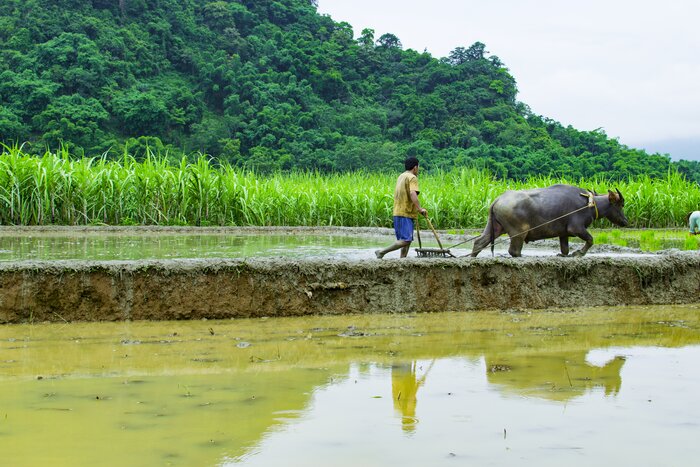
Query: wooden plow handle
x=430, y=224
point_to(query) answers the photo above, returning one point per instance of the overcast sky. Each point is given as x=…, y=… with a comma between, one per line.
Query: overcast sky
x=630, y=67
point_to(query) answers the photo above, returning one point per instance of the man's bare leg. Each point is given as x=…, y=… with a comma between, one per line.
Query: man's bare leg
x=399, y=245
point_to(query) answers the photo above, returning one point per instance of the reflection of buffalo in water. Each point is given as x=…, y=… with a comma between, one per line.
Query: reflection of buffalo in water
x=558, y=211
x=557, y=376
x=554, y=376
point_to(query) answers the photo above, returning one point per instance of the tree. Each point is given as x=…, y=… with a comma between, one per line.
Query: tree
x=476, y=51
x=73, y=61
x=25, y=92
x=366, y=39
x=276, y=84
x=389, y=41
x=218, y=16
x=11, y=127
x=140, y=113
x=458, y=56
x=72, y=121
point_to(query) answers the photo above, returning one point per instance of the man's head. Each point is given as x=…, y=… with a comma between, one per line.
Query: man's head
x=410, y=163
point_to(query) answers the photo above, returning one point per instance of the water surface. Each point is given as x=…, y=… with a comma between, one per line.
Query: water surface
x=572, y=387
x=95, y=245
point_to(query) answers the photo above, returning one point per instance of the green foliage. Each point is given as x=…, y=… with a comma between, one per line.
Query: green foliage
x=691, y=243
x=55, y=188
x=73, y=121
x=74, y=62
x=273, y=85
x=140, y=113
x=11, y=126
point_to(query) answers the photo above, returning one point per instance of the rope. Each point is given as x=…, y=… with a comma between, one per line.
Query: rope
x=523, y=232
x=544, y=223
x=465, y=241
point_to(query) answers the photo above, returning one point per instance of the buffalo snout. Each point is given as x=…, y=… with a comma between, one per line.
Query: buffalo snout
x=620, y=220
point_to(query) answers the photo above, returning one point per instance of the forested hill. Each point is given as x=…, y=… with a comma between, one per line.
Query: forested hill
x=274, y=85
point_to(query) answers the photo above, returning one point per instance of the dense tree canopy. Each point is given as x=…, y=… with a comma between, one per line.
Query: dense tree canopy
x=274, y=85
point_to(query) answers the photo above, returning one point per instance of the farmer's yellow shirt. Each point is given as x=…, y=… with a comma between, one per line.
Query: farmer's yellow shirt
x=403, y=206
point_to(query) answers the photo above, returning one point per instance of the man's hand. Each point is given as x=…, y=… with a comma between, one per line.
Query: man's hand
x=423, y=211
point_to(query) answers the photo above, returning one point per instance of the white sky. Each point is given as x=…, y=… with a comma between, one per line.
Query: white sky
x=630, y=67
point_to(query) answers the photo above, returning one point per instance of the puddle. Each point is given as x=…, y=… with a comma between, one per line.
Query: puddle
x=566, y=387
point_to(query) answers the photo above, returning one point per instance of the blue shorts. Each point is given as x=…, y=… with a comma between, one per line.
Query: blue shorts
x=403, y=227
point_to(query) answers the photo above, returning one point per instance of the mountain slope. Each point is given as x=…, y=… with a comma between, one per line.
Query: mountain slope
x=275, y=85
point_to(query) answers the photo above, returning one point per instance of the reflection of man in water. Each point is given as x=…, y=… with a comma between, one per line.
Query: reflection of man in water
x=404, y=389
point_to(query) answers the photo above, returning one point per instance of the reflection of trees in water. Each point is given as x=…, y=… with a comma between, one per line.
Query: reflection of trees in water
x=404, y=388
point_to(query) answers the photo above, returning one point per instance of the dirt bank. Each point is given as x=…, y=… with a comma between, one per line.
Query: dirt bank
x=195, y=289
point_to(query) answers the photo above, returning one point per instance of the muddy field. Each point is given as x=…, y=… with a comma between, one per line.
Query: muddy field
x=34, y=291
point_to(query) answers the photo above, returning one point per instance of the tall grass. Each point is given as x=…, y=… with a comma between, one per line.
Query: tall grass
x=55, y=188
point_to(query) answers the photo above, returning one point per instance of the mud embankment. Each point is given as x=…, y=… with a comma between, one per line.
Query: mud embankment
x=195, y=289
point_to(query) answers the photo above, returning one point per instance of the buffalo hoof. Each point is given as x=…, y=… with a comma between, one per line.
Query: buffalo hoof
x=563, y=255
x=578, y=253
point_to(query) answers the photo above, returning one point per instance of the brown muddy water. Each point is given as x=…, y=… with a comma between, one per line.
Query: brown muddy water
x=575, y=387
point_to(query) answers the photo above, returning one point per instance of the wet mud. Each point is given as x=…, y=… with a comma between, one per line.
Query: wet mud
x=35, y=291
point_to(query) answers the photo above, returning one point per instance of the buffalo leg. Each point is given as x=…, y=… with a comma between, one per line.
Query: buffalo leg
x=516, y=246
x=485, y=238
x=586, y=237
x=564, y=245
x=480, y=243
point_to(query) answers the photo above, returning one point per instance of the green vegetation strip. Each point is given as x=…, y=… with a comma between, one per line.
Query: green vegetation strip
x=57, y=189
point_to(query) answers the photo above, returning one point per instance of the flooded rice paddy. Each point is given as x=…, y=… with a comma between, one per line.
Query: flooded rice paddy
x=164, y=245
x=576, y=387
x=96, y=244
x=571, y=387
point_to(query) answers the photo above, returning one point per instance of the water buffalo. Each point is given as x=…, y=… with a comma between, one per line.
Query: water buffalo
x=557, y=211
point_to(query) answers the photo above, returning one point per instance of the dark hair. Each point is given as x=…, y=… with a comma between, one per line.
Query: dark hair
x=687, y=218
x=410, y=163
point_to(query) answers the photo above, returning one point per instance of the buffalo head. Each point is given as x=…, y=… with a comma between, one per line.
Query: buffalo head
x=617, y=203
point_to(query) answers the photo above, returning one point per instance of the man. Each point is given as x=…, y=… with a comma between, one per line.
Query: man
x=406, y=209
x=694, y=222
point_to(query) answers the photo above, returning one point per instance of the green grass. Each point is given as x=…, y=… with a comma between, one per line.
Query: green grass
x=692, y=243
x=54, y=188
x=647, y=240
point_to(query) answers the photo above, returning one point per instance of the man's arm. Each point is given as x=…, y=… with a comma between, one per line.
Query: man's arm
x=416, y=203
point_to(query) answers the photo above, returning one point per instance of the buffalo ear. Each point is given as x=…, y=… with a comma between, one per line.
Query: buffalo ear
x=614, y=197
x=622, y=199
